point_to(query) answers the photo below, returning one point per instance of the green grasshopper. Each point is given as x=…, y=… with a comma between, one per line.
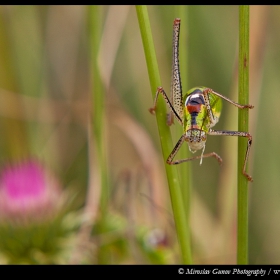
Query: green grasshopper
x=198, y=111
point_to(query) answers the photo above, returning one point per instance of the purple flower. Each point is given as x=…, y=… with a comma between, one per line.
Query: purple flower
x=27, y=190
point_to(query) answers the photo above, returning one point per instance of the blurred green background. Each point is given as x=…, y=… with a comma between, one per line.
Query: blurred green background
x=46, y=103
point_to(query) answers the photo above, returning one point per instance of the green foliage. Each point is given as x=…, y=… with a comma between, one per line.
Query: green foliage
x=42, y=242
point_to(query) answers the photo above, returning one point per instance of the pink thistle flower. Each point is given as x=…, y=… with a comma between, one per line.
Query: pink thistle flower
x=27, y=190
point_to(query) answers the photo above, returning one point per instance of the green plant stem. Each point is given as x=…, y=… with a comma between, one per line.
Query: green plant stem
x=180, y=217
x=98, y=114
x=98, y=100
x=243, y=98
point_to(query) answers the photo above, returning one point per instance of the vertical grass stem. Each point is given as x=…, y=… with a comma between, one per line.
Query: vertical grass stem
x=243, y=98
x=180, y=217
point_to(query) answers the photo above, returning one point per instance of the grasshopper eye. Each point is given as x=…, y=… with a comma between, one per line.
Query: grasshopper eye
x=195, y=99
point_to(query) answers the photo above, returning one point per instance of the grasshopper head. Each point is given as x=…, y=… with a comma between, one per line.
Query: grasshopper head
x=196, y=139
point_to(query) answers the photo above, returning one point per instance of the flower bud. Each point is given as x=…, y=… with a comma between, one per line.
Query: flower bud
x=28, y=191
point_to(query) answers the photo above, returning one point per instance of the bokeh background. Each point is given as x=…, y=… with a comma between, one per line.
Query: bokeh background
x=45, y=112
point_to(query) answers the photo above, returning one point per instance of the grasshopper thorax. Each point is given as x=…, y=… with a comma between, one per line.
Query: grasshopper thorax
x=196, y=139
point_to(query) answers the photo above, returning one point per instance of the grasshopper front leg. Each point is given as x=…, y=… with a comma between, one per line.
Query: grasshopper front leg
x=176, y=149
x=212, y=119
x=160, y=90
